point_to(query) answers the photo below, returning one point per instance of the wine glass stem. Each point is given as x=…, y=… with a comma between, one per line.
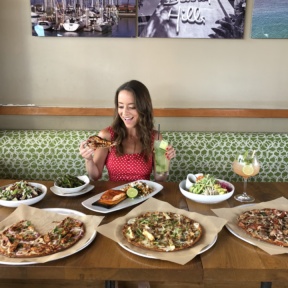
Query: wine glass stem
x=245, y=186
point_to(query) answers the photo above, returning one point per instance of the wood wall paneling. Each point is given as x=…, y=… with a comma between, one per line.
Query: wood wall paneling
x=158, y=112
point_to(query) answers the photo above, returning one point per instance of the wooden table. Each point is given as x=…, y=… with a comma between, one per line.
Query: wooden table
x=231, y=262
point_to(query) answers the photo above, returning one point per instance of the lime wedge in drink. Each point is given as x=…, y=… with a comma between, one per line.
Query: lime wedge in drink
x=163, y=144
x=132, y=192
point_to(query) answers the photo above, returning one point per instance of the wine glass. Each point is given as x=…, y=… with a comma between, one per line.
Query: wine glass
x=246, y=165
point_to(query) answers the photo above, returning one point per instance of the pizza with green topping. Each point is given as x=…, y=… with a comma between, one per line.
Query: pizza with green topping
x=22, y=240
x=162, y=231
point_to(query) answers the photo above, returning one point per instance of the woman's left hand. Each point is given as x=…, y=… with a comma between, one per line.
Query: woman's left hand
x=170, y=152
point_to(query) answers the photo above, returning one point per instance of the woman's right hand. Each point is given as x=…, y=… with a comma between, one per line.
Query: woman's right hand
x=85, y=151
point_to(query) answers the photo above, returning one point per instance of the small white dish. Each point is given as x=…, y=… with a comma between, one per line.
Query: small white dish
x=191, y=180
x=206, y=199
x=84, y=178
x=87, y=189
x=12, y=203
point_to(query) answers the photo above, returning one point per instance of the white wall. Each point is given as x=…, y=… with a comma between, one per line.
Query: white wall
x=84, y=72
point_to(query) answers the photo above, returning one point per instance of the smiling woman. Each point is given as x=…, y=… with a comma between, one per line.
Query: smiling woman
x=132, y=129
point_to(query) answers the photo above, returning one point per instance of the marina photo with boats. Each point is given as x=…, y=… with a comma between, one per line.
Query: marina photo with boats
x=84, y=18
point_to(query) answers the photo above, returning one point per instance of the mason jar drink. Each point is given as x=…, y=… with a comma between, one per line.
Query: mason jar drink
x=161, y=163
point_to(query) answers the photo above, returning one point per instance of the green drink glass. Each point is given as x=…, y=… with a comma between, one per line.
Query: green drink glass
x=161, y=163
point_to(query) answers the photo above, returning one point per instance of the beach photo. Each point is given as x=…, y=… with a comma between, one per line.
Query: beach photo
x=84, y=18
x=221, y=19
x=270, y=19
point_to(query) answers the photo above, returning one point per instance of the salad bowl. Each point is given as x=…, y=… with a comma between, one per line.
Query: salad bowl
x=29, y=201
x=207, y=199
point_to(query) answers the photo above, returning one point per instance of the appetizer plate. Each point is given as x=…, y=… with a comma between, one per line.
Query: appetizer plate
x=12, y=203
x=67, y=212
x=84, y=178
x=146, y=255
x=125, y=203
x=83, y=191
x=206, y=199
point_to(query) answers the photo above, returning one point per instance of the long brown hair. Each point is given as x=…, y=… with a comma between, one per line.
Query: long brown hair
x=145, y=124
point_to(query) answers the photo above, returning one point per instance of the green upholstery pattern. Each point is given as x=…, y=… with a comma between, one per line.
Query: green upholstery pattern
x=46, y=154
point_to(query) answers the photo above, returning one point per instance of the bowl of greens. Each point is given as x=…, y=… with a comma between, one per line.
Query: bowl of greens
x=207, y=189
x=71, y=184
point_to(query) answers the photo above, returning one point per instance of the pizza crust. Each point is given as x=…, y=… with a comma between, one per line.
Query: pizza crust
x=266, y=224
x=22, y=240
x=95, y=142
x=162, y=231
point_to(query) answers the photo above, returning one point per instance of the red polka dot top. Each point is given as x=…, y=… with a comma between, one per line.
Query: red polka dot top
x=128, y=167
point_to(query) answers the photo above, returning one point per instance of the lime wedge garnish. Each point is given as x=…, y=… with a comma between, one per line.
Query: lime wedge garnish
x=163, y=144
x=132, y=192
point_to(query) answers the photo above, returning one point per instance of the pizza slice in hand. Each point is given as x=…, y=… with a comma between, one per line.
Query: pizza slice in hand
x=95, y=142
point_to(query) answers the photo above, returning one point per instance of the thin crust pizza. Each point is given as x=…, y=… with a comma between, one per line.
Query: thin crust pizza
x=267, y=224
x=95, y=142
x=162, y=231
x=22, y=240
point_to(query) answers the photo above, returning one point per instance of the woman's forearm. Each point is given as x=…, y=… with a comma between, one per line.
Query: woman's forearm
x=92, y=170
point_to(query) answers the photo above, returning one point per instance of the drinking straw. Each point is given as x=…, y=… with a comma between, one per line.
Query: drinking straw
x=158, y=130
x=254, y=151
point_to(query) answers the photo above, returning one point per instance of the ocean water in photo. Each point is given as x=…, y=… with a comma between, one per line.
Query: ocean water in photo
x=118, y=2
x=270, y=19
x=124, y=26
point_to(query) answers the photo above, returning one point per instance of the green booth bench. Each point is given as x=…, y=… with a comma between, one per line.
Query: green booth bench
x=46, y=154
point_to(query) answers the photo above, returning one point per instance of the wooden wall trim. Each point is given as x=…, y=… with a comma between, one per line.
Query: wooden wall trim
x=158, y=112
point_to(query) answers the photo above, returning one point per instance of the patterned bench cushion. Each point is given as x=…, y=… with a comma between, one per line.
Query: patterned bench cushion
x=46, y=154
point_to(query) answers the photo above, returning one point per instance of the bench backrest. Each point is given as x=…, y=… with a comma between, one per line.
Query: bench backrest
x=46, y=154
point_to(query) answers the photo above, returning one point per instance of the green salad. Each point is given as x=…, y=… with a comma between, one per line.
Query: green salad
x=69, y=181
x=21, y=190
x=208, y=185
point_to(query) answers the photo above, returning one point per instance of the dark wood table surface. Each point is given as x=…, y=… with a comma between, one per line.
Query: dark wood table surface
x=229, y=261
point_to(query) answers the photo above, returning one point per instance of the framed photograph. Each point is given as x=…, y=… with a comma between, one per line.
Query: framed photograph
x=221, y=19
x=84, y=18
x=270, y=19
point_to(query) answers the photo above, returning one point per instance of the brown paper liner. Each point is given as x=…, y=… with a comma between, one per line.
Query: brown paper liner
x=230, y=214
x=43, y=222
x=211, y=226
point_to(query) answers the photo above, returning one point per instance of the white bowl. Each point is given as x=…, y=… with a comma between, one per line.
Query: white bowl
x=191, y=179
x=76, y=189
x=206, y=199
x=12, y=203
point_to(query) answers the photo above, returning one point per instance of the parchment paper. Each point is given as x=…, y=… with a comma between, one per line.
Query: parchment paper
x=230, y=214
x=43, y=222
x=211, y=226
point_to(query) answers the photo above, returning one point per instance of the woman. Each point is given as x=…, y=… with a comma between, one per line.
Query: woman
x=132, y=129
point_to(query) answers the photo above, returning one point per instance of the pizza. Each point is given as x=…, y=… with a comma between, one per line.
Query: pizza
x=162, y=231
x=267, y=224
x=95, y=142
x=22, y=240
